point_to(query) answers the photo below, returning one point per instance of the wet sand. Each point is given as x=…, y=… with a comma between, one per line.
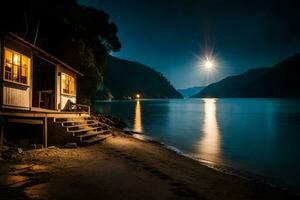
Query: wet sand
x=121, y=167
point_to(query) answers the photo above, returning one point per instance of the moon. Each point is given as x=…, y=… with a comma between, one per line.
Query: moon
x=209, y=64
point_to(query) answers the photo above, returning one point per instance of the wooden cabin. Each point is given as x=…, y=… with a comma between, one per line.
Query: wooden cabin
x=32, y=79
x=34, y=85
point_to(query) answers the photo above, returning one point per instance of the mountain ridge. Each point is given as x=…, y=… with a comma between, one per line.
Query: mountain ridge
x=278, y=81
x=190, y=91
x=124, y=79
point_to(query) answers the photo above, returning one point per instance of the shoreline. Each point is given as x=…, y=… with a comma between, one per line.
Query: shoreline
x=220, y=168
x=124, y=167
x=259, y=164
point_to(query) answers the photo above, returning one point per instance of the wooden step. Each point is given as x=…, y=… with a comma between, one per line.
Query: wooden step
x=76, y=122
x=81, y=125
x=83, y=130
x=86, y=130
x=95, y=139
x=90, y=134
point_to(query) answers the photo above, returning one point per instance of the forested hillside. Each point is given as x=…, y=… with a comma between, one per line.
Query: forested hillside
x=123, y=79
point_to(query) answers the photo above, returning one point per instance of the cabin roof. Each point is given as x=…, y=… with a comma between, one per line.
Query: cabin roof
x=44, y=53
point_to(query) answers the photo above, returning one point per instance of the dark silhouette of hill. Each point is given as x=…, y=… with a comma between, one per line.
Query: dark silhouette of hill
x=188, y=92
x=123, y=79
x=282, y=80
x=232, y=86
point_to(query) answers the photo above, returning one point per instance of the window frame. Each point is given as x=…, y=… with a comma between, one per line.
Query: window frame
x=19, y=68
x=62, y=89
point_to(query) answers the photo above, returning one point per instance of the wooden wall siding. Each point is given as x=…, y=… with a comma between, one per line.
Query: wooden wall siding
x=16, y=96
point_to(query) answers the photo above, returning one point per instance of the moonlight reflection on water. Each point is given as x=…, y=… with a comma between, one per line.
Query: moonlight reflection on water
x=210, y=140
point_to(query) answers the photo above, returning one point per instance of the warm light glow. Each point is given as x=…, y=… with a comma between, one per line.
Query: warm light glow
x=138, y=127
x=210, y=141
x=68, y=84
x=16, y=67
x=16, y=59
x=138, y=96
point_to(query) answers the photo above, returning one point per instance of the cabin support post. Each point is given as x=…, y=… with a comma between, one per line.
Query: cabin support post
x=1, y=134
x=45, y=132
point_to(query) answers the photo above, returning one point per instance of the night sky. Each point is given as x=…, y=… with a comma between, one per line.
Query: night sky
x=171, y=35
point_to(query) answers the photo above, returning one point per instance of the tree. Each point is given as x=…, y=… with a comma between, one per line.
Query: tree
x=81, y=36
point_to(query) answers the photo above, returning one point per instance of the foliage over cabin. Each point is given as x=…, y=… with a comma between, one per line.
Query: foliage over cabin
x=79, y=35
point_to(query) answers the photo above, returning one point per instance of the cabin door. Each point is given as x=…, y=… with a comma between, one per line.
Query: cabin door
x=43, y=84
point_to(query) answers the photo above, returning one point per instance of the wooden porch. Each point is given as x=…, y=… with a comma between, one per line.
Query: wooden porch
x=36, y=116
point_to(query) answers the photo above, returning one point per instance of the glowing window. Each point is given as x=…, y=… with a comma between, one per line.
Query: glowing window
x=16, y=67
x=68, y=84
x=24, y=69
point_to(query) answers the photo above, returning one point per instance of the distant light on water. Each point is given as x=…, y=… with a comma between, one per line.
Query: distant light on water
x=138, y=127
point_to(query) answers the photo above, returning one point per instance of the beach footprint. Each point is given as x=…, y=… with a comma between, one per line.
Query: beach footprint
x=180, y=189
x=131, y=158
x=177, y=188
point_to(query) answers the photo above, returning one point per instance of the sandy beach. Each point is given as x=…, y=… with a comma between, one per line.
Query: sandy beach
x=121, y=167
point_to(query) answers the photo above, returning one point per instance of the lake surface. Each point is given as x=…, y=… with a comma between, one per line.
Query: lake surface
x=254, y=137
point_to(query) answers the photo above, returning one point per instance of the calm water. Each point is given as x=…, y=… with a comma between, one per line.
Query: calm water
x=258, y=137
